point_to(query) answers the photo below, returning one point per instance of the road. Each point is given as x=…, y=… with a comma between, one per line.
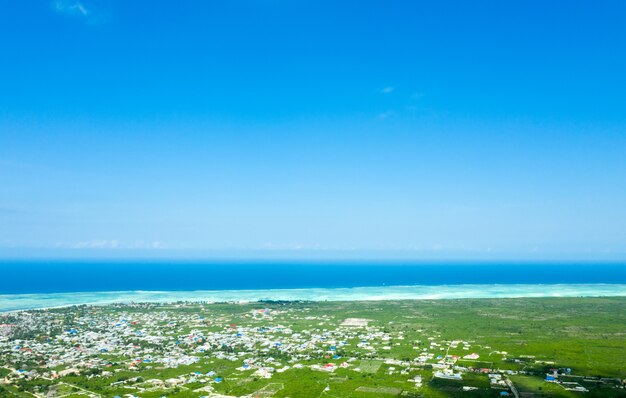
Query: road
x=512, y=387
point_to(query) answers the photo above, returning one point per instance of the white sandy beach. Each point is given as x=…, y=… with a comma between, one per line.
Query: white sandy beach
x=15, y=302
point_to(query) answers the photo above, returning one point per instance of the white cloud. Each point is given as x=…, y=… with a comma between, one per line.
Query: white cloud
x=94, y=244
x=387, y=90
x=70, y=7
x=385, y=115
x=111, y=244
x=141, y=244
x=292, y=246
x=81, y=9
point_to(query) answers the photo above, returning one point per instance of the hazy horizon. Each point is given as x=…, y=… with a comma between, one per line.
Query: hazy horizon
x=298, y=256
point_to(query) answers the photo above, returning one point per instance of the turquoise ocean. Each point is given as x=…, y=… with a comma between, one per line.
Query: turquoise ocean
x=42, y=284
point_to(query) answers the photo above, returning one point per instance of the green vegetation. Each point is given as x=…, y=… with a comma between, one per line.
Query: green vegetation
x=432, y=348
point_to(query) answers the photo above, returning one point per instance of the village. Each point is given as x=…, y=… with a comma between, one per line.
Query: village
x=255, y=350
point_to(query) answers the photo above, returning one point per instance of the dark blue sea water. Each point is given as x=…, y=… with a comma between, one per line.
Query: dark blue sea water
x=91, y=276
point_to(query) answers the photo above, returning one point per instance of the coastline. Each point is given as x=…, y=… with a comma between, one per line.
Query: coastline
x=89, y=276
x=31, y=301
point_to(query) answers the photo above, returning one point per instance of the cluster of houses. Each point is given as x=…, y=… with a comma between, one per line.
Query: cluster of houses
x=262, y=344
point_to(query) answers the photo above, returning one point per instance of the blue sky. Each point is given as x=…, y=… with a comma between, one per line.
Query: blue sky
x=312, y=128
